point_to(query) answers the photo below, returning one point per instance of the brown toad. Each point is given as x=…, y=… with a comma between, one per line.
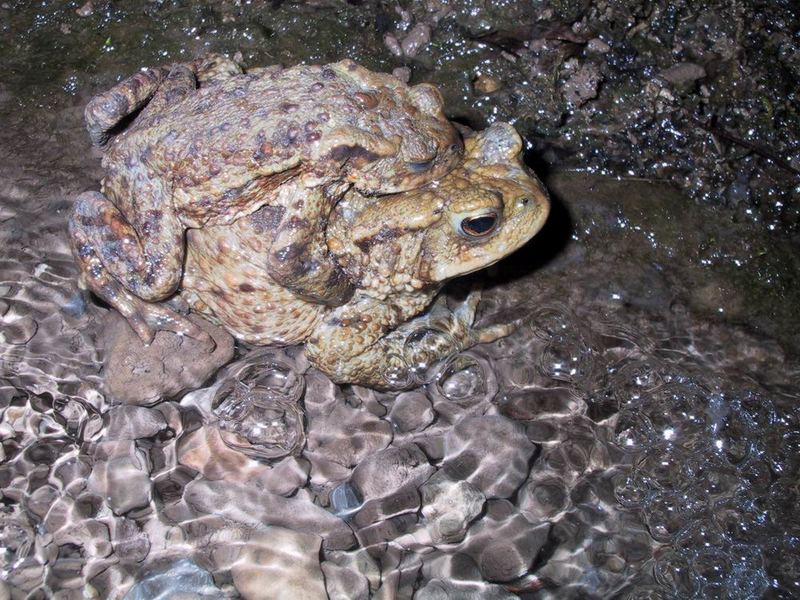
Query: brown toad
x=396, y=250
x=202, y=144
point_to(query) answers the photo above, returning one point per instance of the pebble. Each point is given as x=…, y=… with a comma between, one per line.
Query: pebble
x=485, y=84
x=183, y=579
x=385, y=472
x=411, y=412
x=416, y=39
x=171, y=364
x=449, y=507
x=683, y=73
x=279, y=564
x=491, y=452
x=86, y=10
x=402, y=73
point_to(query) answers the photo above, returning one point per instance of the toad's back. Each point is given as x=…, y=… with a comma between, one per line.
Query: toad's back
x=230, y=132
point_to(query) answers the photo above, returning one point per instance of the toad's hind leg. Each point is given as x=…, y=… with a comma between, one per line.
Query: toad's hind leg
x=107, y=110
x=127, y=270
x=179, y=83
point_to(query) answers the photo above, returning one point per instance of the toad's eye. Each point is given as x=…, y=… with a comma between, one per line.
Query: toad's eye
x=418, y=167
x=479, y=225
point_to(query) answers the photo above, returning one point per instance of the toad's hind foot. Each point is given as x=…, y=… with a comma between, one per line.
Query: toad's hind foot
x=148, y=318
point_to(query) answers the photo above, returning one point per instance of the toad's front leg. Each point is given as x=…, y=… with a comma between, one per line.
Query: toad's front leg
x=131, y=267
x=299, y=259
x=361, y=343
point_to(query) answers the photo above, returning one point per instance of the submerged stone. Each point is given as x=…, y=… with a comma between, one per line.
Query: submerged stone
x=183, y=579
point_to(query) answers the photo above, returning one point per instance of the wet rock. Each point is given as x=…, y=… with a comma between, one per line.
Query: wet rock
x=544, y=497
x=253, y=507
x=182, y=579
x=531, y=403
x=490, y=452
x=128, y=484
x=402, y=73
x=402, y=501
x=129, y=543
x=374, y=537
x=133, y=423
x=342, y=583
x=86, y=9
x=40, y=500
x=357, y=561
x=438, y=589
x=411, y=411
x=504, y=543
x=203, y=450
x=597, y=45
x=392, y=44
x=582, y=85
x=16, y=539
x=485, y=85
x=273, y=563
x=449, y=507
x=683, y=74
x=322, y=395
x=385, y=472
x=347, y=436
x=121, y=476
x=171, y=364
x=416, y=39
x=449, y=565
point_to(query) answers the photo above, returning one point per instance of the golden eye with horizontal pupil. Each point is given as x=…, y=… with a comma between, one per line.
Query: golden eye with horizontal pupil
x=479, y=225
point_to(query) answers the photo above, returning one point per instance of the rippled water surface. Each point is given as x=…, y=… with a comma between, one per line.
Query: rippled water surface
x=637, y=437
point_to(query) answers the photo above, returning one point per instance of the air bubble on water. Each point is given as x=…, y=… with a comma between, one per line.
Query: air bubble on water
x=633, y=431
x=672, y=570
x=276, y=379
x=631, y=488
x=71, y=85
x=629, y=380
x=344, y=501
x=397, y=373
x=261, y=415
x=424, y=348
x=466, y=379
x=567, y=358
x=552, y=320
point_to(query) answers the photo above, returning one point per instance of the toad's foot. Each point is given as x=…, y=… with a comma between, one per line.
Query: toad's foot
x=459, y=324
x=147, y=318
x=350, y=349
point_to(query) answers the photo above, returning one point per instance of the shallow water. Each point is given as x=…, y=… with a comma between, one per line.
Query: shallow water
x=637, y=437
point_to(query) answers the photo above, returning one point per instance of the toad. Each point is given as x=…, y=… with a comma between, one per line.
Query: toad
x=202, y=144
x=396, y=250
